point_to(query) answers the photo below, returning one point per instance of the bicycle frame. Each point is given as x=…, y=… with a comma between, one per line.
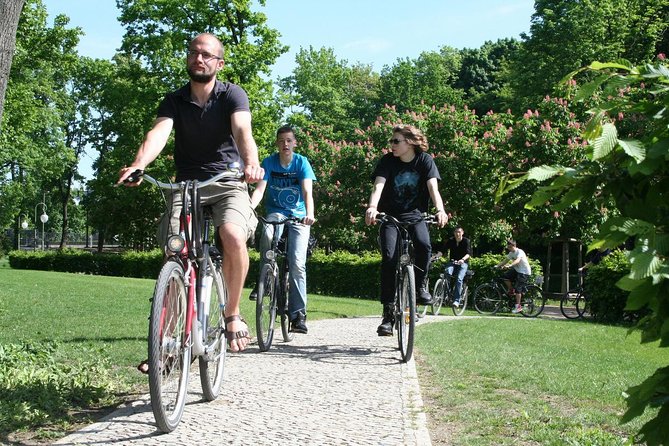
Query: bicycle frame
x=194, y=243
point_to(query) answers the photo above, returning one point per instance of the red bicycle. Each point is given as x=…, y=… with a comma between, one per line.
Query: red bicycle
x=187, y=310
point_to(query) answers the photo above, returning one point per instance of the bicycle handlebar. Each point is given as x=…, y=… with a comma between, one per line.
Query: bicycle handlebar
x=382, y=217
x=227, y=174
x=280, y=222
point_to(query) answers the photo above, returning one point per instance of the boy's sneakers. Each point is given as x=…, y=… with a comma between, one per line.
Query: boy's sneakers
x=254, y=293
x=517, y=309
x=423, y=297
x=386, y=327
x=456, y=303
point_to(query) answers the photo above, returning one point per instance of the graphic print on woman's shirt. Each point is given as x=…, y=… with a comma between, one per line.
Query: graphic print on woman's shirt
x=405, y=186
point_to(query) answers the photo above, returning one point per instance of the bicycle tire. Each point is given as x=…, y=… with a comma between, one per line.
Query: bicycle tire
x=533, y=301
x=582, y=305
x=285, y=315
x=169, y=349
x=406, y=315
x=569, y=304
x=212, y=363
x=464, y=296
x=438, y=296
x=266, y=307
x=487, y=299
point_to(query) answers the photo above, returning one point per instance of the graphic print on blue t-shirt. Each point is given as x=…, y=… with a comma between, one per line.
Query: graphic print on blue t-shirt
x=405, y=186
x=285, y=188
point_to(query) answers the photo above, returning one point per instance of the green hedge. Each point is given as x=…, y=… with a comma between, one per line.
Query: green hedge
x=338, y=274
x=128, y=264
x=607, y=301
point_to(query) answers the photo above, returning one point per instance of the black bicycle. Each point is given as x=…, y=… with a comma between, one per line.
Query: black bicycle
x=405, y=284
x=273, y=287
x=574, y=302
x=493, y=297
x=444, y=292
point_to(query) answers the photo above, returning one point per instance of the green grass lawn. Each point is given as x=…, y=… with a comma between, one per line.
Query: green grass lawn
x=485, y=381
x=510, y=380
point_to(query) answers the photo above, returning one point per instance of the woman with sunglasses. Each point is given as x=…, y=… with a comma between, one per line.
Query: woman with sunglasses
x=405, y=179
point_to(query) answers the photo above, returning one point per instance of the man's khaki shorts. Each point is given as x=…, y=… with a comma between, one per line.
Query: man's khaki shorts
x=230, y=203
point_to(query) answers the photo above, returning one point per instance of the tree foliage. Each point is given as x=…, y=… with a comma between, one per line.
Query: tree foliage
x=632, y=169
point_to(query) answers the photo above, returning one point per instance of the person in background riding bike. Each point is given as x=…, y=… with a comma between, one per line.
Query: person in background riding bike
x=519, y=272
x=596, y=257
x=289, y=180
x=212, y=123
x=460, y=250
x=404, y=181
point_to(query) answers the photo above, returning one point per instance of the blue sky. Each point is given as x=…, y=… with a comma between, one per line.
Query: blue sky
x=376, y=32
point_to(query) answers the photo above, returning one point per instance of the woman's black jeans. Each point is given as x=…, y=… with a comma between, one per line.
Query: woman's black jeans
x=422, y=249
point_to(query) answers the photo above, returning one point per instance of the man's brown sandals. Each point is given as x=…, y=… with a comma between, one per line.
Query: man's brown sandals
x=234, y=335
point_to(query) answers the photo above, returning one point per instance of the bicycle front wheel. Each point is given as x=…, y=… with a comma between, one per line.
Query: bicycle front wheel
x=582, y=305
x=569, y=304
x=406, y=314
x=464, y=296
x=266, y=307
x=169, y=350
x=212, y=363
x=487, y=299
x=533, y=301
x=438, y=295
x=283, y=304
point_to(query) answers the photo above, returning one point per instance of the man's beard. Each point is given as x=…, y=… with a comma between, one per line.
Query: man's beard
x=201, y=78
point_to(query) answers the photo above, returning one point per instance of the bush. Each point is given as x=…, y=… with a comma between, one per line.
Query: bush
x=128, y=264
x=607, y=301
x=36, y=388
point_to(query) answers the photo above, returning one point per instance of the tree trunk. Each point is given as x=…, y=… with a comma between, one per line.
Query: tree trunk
x=10, y=12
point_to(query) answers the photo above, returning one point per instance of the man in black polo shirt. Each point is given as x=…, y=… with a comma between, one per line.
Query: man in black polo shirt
x=460, y=251
x=212, y=126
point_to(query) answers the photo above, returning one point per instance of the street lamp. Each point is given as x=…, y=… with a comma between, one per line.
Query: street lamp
x=43, y=218
x=21, y=225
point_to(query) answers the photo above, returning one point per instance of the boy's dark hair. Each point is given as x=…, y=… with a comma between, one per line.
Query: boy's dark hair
x=511, y=242
x=285, y=129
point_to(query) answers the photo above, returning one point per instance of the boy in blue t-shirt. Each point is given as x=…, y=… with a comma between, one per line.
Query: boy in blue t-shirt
x=289, y=181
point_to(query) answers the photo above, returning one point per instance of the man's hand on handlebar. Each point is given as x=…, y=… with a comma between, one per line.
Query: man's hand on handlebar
x=253, y=173
x=130, y=176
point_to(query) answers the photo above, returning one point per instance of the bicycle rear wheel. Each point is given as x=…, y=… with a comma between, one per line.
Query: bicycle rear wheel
x=169, y=349
x=464, y=296
x=212, y=363
x=283, y=304
x=487, y=299
x=266, y=307
x=569, y=304
x=533, y=301
x=406, y=316
x=438, y=295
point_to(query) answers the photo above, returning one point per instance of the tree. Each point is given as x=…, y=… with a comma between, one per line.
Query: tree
x=10, y=12
x=632, y=170
x=33, y=150
x=430, y=79
x=566, y=35
x=328, y=92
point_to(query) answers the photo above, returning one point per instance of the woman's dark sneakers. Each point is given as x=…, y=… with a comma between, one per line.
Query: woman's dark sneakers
x=298, y=324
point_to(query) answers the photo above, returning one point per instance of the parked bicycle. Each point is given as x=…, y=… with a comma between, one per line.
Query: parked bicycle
x=444, y=292
x=493, y=297
x=574, y=302
x=273, y=288
x=187, y=310
x=405, y=284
